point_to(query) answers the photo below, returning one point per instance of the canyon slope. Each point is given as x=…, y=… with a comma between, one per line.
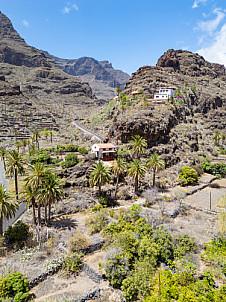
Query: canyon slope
x=101, y=76
x=34, y=92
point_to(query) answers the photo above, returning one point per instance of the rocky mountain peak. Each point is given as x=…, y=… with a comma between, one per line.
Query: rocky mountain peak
x=190, y=63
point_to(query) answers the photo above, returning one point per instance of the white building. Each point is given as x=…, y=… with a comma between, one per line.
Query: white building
x=104, y=151
x=164, y=94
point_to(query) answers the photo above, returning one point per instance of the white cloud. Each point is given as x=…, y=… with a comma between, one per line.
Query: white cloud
x=75, y=6
x=66, y=10
x=196, y=3
x=216, y=52
x=25, y=23
x=211, y=25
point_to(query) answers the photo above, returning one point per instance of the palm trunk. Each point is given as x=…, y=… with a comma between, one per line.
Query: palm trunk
x=51, y=138
x=39, y=213
x=153, y=178
x=16, y=185
x=33, y=210
x=99, y=190
x=46, y=213
x=1, y=226
x=50, y=203
x=136, y=184
x=116, y=187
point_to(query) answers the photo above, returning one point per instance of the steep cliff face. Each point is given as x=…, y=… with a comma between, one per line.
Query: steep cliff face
x=40, y=82
x=100, y=75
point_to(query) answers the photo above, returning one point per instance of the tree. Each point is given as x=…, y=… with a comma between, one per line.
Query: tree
x=137, y=170
x=118, y=90
x=24, y=144
x=7, y=207
x=216, y=137
x=29, y=196
x=50, y=191
x=51, y=132
x=99, y=175
x=118, y=169
x=155, y=163
x=223, y=137
x=15, y=166
x=138, y=145
x=3, y=153
x=34, y=179
x=188, y=176
x=18, y=145
x=46, y=133
x=35, y=137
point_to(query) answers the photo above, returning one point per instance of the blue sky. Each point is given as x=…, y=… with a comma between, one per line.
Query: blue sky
x=128, y=33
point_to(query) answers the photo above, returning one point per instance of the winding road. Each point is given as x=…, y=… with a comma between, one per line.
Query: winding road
x=76, y=123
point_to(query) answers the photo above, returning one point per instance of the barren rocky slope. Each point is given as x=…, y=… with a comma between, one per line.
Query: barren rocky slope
x=100, y=75
x=30, y=77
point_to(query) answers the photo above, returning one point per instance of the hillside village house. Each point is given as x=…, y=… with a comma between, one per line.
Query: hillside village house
x=134, y=91
x=163, y=94
x=105, y=152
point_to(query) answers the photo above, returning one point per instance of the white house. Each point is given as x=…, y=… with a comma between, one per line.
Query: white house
x=164, y=94
x=103, y=151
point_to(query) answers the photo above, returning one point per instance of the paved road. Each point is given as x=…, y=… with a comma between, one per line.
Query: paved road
x=76, y=123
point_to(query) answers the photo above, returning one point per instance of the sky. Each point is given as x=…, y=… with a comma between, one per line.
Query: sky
x=128, y=33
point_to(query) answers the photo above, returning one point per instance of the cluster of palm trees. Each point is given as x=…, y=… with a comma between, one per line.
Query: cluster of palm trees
x=42, y=187
x=100, y=174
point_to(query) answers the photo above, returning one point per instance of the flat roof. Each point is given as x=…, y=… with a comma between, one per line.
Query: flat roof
x=106, y=145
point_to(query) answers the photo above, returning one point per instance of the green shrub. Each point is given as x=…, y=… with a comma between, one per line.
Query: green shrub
x=17, y=234
x=77, y=242
x=188, y=176
x=214, y=168
x=103, y=201
x=72, y=264
x=83, y=150
x=14, y=286
x=96, y=222
x=222, y=151
x=70, y=160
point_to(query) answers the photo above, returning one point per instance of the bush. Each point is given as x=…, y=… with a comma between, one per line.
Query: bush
x=14, y=286
x=96, y=222
x=77, y=242
x=17, y=234
x=70, y=161
x=188, y=176
x=72, y=264
x=214, y=168
x=83, y=150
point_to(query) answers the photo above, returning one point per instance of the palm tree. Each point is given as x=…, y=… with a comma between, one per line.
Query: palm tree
x=51, y=132
x=118, y=90
x=29, y=196
x=14, y=166
x=35, y=137
x=118, y=169
x=34, y=179
x=216, y=137
x=3, y=153
x=18, y=144
x=155, y=163
x=137, y=170
x=46, y=133
x=99, y=175
x=7, y=207
x=49, y=192
x=24, y=144
x=138, y=144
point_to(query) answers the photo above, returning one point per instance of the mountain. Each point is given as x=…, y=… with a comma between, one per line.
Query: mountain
x=31, y=79
x=101, y=76
x=181, y=130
